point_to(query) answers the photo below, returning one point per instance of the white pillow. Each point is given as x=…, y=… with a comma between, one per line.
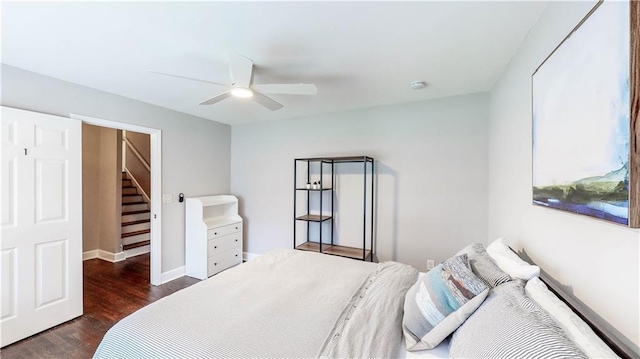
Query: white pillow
x=575, y=328
x=509, y=262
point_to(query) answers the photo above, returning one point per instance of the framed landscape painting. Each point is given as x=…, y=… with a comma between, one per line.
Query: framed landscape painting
x=585, y=113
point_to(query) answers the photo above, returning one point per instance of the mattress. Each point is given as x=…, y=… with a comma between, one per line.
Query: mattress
x=285, y=303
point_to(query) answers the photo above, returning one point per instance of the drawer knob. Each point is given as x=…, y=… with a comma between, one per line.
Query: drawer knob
x=236, y=255
x=215, y=264
x=215, y=233
x=236, y=227
x=236, y=240
x=214, y=247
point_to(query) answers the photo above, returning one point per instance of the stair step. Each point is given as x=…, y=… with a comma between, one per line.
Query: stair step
x=136, y=222
x=129, y=190
x=131, y=216
x=135, y=206
x=132, y=198
x=136, y=212
x=136, y=215
x=136, y=226
x=136, y=245
x=131, y=234
x=136, y=237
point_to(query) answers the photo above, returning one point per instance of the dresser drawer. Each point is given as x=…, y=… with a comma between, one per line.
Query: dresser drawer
x=223, y=261
x=224, y=230
x=221, y=244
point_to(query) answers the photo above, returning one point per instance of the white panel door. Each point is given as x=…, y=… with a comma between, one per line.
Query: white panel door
x=41, y=247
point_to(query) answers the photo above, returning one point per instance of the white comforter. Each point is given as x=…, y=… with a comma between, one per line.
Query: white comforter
x=284, y=304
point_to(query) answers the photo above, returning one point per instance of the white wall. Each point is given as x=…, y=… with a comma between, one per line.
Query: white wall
x=431, y=160
x=599, y=261
x=195, y=151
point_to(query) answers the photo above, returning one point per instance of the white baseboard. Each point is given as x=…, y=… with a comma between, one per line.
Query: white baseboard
x=172, y=274
x=104, y=255
x=111, y=257
x=137, y=251
x=249, y=256
x=89, y=255
x=115, y=257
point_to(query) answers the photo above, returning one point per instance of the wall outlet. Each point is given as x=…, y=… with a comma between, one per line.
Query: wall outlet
x=167, y=198
x=430, y=264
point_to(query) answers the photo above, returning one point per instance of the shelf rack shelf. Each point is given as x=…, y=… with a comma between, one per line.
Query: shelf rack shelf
x=342, y=251
x=363, y=253
x=313, y=218
x=316, y=190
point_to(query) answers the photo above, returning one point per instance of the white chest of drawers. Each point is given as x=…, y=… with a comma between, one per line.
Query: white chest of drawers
x=213, y=231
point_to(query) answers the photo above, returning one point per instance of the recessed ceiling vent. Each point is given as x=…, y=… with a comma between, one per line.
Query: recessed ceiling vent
x=417, y=85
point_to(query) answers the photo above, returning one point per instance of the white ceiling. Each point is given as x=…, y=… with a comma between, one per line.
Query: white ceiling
x=360, y=54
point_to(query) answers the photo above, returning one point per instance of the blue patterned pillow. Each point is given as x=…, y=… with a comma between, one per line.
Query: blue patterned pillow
x=440, y=302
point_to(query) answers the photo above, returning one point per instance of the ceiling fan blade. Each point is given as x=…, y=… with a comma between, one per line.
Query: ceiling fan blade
x=241, y=68
x=216, y=99
x=186, y=78
x=266, y=102
x=287, y=89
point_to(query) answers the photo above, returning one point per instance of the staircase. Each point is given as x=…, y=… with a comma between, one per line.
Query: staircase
x=136, y=216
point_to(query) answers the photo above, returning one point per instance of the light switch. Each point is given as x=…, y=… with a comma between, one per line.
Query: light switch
x=167, y=198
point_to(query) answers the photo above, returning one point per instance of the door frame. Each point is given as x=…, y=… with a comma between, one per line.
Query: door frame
x=156, y=186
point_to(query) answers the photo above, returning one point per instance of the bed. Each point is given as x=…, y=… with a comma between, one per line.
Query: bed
x=283, y=304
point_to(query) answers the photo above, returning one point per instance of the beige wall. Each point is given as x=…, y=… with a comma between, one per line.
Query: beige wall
x=110, y=189
x=90, y=183
x=141, y=142
x=101, y=188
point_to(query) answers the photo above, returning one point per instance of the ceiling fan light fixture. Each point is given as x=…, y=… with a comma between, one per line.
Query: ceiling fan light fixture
x=241, y=92
x=241, y=73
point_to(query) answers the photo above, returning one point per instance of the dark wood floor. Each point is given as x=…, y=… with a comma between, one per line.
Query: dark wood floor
x=111, y=292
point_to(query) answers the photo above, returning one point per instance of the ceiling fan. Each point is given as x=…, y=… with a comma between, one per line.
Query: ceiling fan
x=241, y=71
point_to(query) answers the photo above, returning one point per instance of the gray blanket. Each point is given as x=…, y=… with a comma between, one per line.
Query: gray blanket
x=284, y=304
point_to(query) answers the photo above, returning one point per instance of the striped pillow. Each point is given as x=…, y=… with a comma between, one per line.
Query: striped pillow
x=510, y=325
x=440, y=302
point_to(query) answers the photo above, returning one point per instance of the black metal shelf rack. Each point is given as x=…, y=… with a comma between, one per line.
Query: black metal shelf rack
x=363, y=253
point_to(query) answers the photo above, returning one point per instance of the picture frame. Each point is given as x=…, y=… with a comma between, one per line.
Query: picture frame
x=585, y=125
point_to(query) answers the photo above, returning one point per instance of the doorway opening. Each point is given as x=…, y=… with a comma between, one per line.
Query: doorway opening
x=135, y=197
